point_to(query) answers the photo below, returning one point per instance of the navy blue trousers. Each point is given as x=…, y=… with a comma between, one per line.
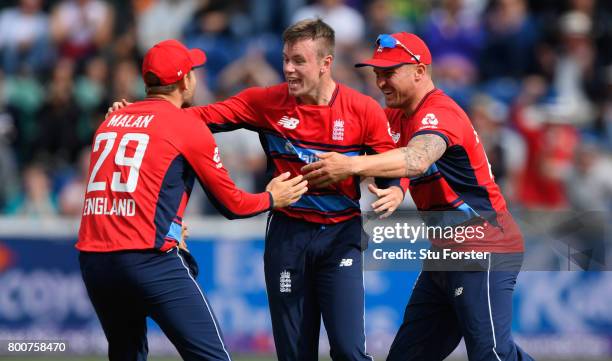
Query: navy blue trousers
x=315, y=271
x=126, y=287
x=448, y=305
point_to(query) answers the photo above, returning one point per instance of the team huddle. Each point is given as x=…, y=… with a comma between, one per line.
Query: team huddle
x=320, y=137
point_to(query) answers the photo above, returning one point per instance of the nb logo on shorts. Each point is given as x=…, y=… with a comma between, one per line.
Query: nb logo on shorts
x=289, y=123
x=458, y=291
x=285, y=282
x=346, y=262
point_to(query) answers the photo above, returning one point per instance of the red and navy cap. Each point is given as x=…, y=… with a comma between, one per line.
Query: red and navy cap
x=406, y=48
x=170, y=61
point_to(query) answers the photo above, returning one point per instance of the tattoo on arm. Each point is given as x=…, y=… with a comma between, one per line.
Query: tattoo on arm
x=421, y=152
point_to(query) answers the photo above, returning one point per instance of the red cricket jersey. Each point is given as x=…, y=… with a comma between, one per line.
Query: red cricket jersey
x=292, y=134
x=459, y=187
x=144, y=162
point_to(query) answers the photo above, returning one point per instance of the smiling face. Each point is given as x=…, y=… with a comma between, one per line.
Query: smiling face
x=304, y=67
x=397, y=84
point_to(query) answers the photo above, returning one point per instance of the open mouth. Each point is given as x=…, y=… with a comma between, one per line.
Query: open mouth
x=294, y=82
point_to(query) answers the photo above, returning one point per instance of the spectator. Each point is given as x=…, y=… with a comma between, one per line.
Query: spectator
x=347, y=22
x=91, y=96
x=248, y=71
x=36, y=201
x=589, y=183
x=127, y=82
x=601, y=20
x=24, y=38
x=158, y=20
x=576, y=74
x=510, y=38
x=381, y=19
x=72, y=194
x=57, y=139
x=550, y=143
x=589, y=190
x=24, y=96
x=454, y=37
x=504, y=147
x=606, y=112
x=8, y=161
x=81, y=28
x=210, y=30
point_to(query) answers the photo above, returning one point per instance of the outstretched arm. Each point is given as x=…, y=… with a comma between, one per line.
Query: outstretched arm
x=409, y=161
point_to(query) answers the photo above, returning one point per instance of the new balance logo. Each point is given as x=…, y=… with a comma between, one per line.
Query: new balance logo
x=285, y=282
x=346, y=262
x=458, y=291
x=289, y=123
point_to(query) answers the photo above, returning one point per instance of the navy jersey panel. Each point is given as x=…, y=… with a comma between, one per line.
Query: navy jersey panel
x=314, y=271
x=448, y=305
x=126, y=287
x=177, y=183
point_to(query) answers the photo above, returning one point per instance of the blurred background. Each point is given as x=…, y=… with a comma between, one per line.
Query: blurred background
x=534, y=76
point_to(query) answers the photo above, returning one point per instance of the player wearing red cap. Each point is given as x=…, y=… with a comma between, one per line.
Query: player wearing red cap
x=313, y=255
x=144, y=162
x=452, y=185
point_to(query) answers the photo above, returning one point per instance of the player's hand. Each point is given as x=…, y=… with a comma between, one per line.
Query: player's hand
x=331, y=168
x=184, y=236
x=388, y=199
x=286, y=191
x=116, y=106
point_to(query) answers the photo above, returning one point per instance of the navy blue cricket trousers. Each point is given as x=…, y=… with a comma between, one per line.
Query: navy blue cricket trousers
x=126, y=287
x=447, y=305
x=315, y=270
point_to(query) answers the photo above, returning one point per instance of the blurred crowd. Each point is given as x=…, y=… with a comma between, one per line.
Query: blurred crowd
x=535, y=77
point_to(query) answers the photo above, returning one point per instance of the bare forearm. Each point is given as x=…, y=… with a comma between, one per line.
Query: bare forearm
x=390, y=164
x=410, y=161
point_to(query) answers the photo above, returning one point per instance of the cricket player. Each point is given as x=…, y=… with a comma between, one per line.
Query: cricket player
x=144, y=162
x=451, y=182
x=313, y=251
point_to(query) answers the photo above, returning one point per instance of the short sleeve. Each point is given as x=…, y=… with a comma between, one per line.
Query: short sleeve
x=440, y=121
x=378, y=132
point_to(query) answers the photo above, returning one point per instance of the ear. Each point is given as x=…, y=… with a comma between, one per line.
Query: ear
x=420, y=72
x=327, y=63
x=184, y=84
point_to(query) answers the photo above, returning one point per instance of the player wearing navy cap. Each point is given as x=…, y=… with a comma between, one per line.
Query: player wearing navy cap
x=144, y=162
x=452, y=185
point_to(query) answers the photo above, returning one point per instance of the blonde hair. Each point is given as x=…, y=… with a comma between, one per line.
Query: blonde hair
x=315, y=29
